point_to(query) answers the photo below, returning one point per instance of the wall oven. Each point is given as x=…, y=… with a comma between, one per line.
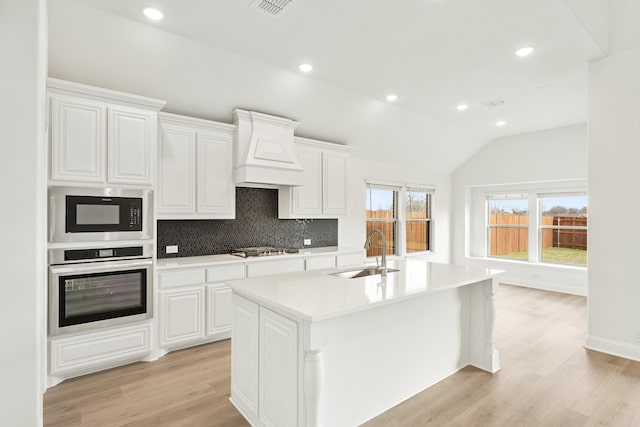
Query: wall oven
x=92, y=288
x=99, y=214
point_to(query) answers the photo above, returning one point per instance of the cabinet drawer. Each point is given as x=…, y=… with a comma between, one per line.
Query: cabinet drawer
x=225, y=272
x=344, y=260
x=88, y=351
x=266, y=268
x=321, y=262
x=172, y=279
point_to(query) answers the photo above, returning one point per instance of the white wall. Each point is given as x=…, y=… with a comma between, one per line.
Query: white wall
x=555, y=158
x=22, y=166
x=614, y=174
x=89, y=46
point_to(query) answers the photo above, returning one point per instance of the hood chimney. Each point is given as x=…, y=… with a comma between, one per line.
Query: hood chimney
x=264, y=152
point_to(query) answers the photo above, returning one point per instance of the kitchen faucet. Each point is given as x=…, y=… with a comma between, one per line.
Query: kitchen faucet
x=383, y=267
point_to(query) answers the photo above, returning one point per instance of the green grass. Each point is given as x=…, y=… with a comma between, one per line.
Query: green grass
x=553, y=255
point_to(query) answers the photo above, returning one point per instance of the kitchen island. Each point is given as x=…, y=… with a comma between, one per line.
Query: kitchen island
x=314, y=348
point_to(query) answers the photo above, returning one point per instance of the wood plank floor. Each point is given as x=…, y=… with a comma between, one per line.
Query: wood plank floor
x=547, y=379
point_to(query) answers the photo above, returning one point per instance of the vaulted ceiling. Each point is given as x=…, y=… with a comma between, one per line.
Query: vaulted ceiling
x=433, y=54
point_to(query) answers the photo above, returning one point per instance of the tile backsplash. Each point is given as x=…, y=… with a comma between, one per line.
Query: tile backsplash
x=256, y=224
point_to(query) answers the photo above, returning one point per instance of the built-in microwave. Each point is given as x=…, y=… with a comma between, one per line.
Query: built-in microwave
x=78, y=214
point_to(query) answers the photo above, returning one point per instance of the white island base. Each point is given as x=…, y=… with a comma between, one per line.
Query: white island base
x=311, y=349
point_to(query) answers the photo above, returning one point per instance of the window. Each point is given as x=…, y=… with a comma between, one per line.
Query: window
x=563, y=228
x=403, y=214
x=382, y=214
x=508, y=226
x=418, y=220
x=538, y=227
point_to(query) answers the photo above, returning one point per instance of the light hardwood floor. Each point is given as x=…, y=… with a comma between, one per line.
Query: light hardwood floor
x=547, y=379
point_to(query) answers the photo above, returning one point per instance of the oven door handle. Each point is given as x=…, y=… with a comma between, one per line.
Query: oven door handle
x=100, y=266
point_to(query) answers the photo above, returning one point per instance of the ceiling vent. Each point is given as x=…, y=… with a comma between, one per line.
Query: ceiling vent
x=494, y=103
x=272, y=7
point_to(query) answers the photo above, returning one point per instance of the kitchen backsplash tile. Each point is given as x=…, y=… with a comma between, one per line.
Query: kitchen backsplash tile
x=256, y=224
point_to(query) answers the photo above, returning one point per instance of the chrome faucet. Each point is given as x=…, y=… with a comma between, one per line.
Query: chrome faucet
x=383, y=267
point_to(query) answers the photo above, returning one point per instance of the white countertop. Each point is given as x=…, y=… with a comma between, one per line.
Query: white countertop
x=203, y=261
x=317, y=295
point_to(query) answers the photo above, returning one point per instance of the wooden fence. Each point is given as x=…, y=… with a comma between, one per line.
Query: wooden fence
x=509, y=240
x=417, y=233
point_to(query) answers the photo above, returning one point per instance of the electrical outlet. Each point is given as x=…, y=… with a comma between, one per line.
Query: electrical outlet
x=172, y=249
x=306, y=242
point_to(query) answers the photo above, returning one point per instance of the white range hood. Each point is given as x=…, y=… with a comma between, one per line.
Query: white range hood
x=264, y=154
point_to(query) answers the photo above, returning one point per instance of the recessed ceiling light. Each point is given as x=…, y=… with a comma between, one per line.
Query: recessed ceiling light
x=500, y=123
x=462, y=107
x=305, y=68
x=153, y=14
x=524, y=51
x=392, y=97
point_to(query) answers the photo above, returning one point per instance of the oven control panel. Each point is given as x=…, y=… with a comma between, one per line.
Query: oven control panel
x=102, y=253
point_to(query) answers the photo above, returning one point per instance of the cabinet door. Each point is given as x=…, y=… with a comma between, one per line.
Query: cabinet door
x=335, y=183
x=244, y=354
x=215, y=187
x=218, y=309
x=78, y=135
x=320, y=263
x=176, y=175
x=182, y=316
x=131, y=137
x=278, y=383
x=266, y=268
x=307, y=198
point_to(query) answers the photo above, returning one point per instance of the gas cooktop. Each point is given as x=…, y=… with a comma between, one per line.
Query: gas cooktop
x=262, y=251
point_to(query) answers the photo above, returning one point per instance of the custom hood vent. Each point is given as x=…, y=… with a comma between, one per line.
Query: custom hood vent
x=264, y=152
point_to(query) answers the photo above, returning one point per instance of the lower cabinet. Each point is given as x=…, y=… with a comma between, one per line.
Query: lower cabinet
x=195, y=305
x=182, y=316
x=84, y=353
x=218, y=309
x=264, y=367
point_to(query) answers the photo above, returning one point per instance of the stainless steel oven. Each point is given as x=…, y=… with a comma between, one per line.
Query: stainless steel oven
x=92, y=288
x=78, y=214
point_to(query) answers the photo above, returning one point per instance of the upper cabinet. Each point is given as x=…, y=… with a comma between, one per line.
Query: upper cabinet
x=195, y=174
x=100, y=136
x=323, y=193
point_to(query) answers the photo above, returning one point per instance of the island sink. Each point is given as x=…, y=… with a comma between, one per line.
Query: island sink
x=362, y=272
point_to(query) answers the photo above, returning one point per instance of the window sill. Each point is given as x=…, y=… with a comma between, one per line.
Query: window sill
x=543, y=265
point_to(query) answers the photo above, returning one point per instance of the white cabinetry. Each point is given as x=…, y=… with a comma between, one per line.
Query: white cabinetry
x=182, y=316
x=195, y=305
x=83, y=353
x=264, y=371
x=323, y=190
x=131, y=139
x=101, y=136
x=278, y=370
x=320, y=263
x=267, y=268
x=244, y=348
x=77, y=139
x=195, y=177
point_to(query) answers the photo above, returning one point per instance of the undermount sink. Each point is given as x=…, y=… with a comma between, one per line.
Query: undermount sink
x=362, y=272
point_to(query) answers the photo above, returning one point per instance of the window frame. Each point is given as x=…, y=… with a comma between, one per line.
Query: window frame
x=428, y=220
x=395, y=220
x=489, y=226
x=401, y=220
x=542, y=227
x=535, y=233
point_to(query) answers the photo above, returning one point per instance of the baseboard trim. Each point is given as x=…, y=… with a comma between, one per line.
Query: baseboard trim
x=543, y=286
x=614, y=348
